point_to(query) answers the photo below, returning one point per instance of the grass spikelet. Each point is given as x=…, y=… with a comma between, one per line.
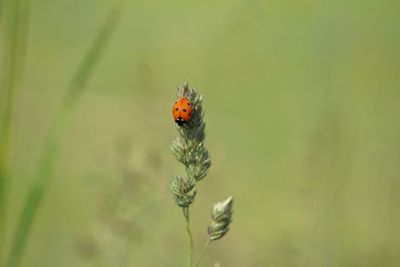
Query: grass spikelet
x=183, y=190
x=221, y=218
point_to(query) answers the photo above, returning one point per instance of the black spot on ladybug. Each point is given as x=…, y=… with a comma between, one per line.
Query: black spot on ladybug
x=184, y=110
x=176, y=109
x=188, y=104
x=190, y=114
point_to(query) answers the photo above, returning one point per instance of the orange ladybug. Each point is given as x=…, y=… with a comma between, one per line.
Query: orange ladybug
x=182, y=111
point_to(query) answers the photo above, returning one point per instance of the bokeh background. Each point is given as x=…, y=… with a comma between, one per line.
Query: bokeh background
x=302, y=102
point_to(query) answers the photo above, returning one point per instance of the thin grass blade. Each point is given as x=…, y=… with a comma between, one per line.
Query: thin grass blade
x=61, y=121
x=15, y=33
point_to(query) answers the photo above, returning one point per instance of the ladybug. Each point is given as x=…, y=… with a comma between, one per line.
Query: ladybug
x=182, y=111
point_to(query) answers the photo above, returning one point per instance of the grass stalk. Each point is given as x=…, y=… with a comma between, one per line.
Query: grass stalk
x=1, y=9
x=189, y=232
x=60, y=123
x=203, y=252
x=15, y=29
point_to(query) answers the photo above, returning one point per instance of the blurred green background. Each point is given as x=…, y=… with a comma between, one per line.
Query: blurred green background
x=302, y=102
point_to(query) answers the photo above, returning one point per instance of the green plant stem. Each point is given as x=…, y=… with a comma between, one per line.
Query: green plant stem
x=202, y=252
x=187, y=218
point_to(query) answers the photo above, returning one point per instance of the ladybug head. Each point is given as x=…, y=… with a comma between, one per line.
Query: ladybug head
x=180, y=121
